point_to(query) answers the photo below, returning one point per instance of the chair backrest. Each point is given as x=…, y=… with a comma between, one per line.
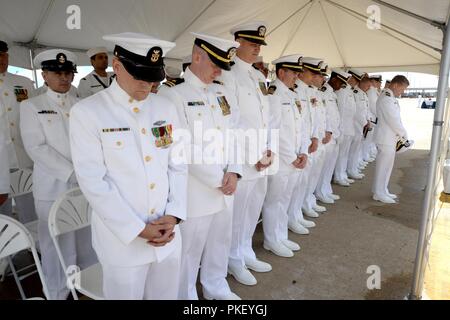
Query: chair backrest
x=71, y=212
x=14, y=237
x=21, y=182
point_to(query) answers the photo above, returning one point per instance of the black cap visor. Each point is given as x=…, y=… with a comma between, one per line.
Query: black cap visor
x=144, y=72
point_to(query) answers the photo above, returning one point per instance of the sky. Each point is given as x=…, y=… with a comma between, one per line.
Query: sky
x=417, y=80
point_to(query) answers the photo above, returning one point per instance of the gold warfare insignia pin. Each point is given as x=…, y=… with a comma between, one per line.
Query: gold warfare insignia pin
x=263, y=88
x=156, y=54
x=262, y=31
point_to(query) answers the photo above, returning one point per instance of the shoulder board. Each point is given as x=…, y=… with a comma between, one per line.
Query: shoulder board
x=169, y=83
x=178, y=81
x=272, y=89
x=355, y=91
x=218, y=82
x=387, y=93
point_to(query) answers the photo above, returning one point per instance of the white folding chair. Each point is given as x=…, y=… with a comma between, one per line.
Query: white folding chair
x=71, y=212
x=14, y=237
x=21, y=183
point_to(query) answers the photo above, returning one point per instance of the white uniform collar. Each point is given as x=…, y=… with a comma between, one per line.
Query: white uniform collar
x=390, y=91
x=327, y=85
x=301, y=84
x=242, y=64
x=123, y=98
x=193, y=80
x=58, y=97
x=280, y=85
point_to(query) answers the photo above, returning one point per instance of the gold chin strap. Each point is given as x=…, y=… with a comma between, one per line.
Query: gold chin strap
x=215, y=55
x=251, y=37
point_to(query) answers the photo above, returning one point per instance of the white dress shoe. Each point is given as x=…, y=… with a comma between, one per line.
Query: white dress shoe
x=318, y=208
x=279, y=249
x=393, y=196
x=307, y=223
x=291, y=245
x=258, y=265
x=229, y=296
x=356, y=176
x=384, y=199
x=242, y=275
x=350, y=180
x=343, y=183
x=324, y=199
x=334, y=196
x=297, y=228
x=310, y=213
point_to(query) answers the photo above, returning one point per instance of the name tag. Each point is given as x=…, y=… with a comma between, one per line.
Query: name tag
x=195, y=103
x=116, y=130
x=47, y=112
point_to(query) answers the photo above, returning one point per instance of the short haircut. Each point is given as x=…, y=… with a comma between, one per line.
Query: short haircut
x=402, y=80
x=364, y=80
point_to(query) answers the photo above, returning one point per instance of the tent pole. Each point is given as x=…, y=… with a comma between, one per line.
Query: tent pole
x=33, y=68
x=428, y=203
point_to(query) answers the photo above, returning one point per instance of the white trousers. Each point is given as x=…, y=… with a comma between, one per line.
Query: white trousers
x=248, y=202
x=25, y=208
x=340, y=172
x=298, y=195
x=331, y=154
x=54, y=274
x=206, y=241
x=313, y=179
x=368, y=145
x=285, y=203
x=274, y=215
x=354, y=155
x=154, y=281
x=383, y=169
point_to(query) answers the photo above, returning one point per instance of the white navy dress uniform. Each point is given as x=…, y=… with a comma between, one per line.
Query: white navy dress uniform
x=370, y=150
x=13, y=90
x=319, y=122
x=93, y=82
x=297, y=223
x=324, y=190
x=285, y=116
x=390, y=130
x=44, y=125
x=248, y=86
x=359, y=121
x=206, y=232
x=347, y=111
x=122, y=153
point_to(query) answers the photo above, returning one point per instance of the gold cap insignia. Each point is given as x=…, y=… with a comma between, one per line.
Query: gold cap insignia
x=231, y=53
x=156, y=54
x=262, y=31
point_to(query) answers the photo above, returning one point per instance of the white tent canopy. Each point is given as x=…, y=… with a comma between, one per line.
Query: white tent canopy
x=335, y=30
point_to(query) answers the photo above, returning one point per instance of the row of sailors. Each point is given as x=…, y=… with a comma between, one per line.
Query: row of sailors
x=121, y=155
